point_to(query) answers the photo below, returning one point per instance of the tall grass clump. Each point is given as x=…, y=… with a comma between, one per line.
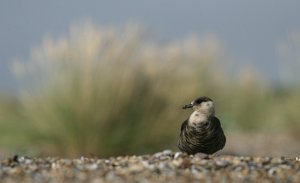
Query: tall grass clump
x=107, y=91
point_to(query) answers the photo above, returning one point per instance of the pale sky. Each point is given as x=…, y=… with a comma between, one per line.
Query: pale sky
x=250, y=30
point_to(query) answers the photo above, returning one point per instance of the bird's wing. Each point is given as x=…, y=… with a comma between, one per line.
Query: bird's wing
x=184, y=124
x=216, y=121
x=221, y=136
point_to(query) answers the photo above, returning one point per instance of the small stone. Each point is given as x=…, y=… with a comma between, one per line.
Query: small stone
x=272, y=171
x=201, y=155
x=177, y=162
x=177, y=155
x=92, y=166
x=21, y=159
x=167, y=152
x=186, y=163
x=221, y=163
x=28, y=161
x=277, y=160
x=157, y=155
x=136, y=168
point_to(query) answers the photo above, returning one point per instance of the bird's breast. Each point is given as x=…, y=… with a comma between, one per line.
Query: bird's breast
x=197, y=118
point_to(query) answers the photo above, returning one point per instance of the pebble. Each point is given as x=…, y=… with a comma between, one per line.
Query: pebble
x=177, y=155
x=221, y=163
x=167, y=152
x=165, y=166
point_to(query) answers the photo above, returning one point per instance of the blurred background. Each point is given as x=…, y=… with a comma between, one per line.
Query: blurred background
x=110, y=78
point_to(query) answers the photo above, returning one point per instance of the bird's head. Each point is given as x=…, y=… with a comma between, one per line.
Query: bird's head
x=203, y=105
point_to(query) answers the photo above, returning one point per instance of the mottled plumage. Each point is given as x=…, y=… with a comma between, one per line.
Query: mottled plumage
x=201, y=132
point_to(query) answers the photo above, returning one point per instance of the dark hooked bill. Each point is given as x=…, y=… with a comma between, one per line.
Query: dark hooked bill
x=187, y=106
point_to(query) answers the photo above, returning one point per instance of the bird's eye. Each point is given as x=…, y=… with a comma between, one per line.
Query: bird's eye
x=200, y=101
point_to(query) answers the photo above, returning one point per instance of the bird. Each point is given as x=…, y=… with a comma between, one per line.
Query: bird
x=201, y=132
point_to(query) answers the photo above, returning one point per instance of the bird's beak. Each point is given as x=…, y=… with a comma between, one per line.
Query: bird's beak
x=187, y=106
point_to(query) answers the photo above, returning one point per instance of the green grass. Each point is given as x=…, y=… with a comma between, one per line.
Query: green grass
x=105, y=91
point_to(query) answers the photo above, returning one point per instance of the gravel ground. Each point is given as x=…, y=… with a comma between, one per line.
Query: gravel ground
x=166, y=166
